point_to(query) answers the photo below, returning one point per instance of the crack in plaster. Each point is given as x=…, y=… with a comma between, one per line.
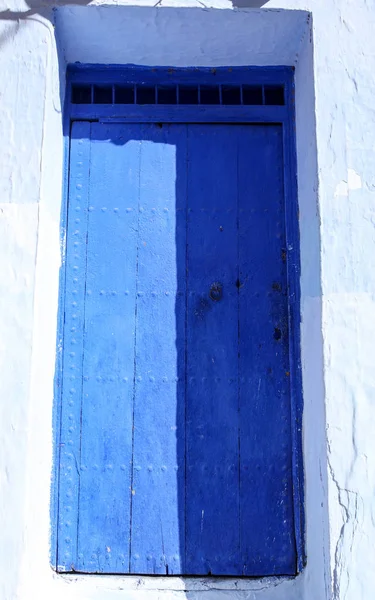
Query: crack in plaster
x=349, y=502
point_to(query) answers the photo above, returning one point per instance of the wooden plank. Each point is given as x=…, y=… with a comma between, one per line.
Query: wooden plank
x=69, y=472
x=108, y=363
x=149, y=497
x=158, y=510
x=266, y=513
x=180, y=114
x=212, y=484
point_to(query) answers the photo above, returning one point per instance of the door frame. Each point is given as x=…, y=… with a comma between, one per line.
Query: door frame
x=110, y=75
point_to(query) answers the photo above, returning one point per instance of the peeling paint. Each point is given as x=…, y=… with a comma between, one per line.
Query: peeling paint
x=353, y=182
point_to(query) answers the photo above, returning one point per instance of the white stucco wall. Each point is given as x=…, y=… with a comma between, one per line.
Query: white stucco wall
x=335, y=133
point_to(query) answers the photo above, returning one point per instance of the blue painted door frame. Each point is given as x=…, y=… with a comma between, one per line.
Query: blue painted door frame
x=220, y=516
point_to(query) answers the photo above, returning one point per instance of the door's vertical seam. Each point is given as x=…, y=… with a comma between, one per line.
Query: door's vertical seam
x=78, y=462
x=186, y=338
x=238, y=356
x=135, y=362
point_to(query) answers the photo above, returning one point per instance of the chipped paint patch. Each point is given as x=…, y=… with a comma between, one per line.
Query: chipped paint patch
x=353, y=182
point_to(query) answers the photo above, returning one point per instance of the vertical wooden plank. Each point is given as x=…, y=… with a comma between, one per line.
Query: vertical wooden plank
x=212, y=485
x=69, y=472
x=158, y=517
x=108, y=362
x=267, y=539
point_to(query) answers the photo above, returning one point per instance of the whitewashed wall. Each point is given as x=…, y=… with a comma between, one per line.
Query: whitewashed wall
x=336, y=158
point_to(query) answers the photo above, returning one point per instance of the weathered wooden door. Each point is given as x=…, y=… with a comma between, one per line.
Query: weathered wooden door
x=176, y=450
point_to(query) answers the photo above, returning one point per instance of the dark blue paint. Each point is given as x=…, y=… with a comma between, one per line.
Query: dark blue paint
x=180, y=114
x=212, y=410
x=294, y=297
x=239, y=456
x=112, y=74
x=266, y=490
x=127, y=517
x=107, y=74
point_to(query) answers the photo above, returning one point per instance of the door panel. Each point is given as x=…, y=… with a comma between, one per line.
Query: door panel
x=159, y=359
x=177, y=308
x=212, y=410
x=266, y=500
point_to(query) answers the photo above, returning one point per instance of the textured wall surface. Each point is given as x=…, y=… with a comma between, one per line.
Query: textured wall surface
x=335, y=133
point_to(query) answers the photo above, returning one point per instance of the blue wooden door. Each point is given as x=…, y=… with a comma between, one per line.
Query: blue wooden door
x=176, y=453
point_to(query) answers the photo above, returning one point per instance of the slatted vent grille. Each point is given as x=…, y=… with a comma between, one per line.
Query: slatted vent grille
x=141, y=94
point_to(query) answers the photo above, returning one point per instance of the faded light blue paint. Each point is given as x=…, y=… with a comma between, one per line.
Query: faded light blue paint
x=176, y=436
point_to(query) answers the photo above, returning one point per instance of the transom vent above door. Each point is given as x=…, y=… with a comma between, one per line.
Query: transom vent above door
x=146, y=94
